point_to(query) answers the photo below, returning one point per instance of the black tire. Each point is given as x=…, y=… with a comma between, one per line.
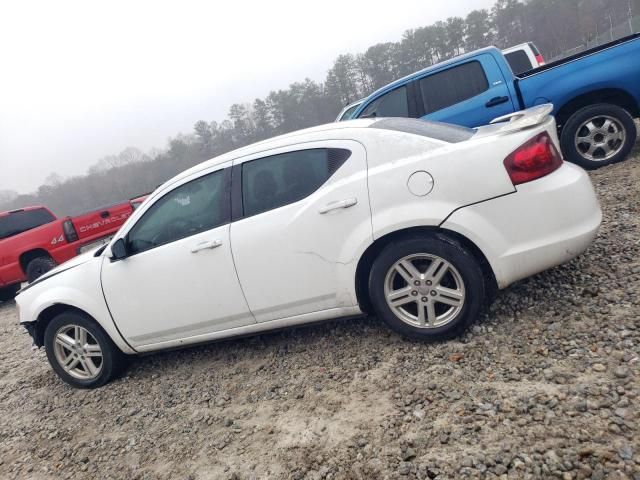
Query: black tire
x=112, y=362
x=38, y=267
x=576, y=124
x=7, y=293
x=456, y=255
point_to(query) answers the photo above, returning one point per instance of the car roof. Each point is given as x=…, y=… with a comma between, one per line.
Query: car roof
x=430, y=68
x=23, y=209
x=275, y=142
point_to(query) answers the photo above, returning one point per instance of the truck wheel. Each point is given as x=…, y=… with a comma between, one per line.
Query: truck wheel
x=80, y=351
x=598, y=135
x=38, y=267
x=7, y=293
x=428, y=288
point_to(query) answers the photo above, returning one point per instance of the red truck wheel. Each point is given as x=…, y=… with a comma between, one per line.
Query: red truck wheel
x=7, y=293
x=38, y=267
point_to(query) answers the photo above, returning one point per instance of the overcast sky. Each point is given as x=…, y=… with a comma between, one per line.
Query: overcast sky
x=81, y=80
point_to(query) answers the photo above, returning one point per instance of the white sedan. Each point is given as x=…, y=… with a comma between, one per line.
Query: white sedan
x=414, y=221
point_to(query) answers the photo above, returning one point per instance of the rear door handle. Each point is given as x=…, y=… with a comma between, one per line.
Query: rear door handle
x=346, y=203
x=496, y=101
x=209, y=244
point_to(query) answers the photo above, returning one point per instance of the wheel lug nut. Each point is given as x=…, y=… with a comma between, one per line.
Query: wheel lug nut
x=414, y=293
x=429, y=282
x=416, y=283
x=433, y=293
x=424, y=299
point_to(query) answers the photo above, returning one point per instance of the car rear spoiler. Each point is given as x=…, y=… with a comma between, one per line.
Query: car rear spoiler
x=525, y=118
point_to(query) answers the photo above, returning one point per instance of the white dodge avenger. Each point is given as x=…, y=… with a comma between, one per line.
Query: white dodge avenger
x=414, y=221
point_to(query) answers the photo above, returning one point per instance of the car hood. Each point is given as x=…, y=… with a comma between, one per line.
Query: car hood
x=74, y=262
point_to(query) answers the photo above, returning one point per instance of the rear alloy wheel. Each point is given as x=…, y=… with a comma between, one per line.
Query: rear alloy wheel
x=427, y=288
x=598, y=135
x=424, y=290
x=80, y=352
x=38, y=267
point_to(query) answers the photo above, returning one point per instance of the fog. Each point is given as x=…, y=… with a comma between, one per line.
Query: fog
x=81, y=80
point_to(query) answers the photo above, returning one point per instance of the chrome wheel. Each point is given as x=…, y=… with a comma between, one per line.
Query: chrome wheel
x=424, y=290
x=600, y=138
x=78, y=352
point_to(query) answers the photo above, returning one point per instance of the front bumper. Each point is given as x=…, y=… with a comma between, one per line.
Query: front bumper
x=545, y=223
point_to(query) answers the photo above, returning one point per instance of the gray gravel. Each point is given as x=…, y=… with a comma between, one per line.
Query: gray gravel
x=544, y=386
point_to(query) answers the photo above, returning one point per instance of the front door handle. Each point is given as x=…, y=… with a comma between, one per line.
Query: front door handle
x=346, y=203
x=496, y=101
x=209, y=244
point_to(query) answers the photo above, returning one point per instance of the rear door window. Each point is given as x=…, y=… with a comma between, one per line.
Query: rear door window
x=17, y=222
x=391, y=104
x=518, y=61
x=451, y=86
x=278, y=180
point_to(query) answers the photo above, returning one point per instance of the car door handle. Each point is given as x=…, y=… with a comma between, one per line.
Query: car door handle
x=346, y=203
x=496, y=101
x=209, y=244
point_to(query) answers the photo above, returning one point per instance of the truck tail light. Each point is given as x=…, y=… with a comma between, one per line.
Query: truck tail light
x=536, y=158
x=69, y=231
x=540, y=60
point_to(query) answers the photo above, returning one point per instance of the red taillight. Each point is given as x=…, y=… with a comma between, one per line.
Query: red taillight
x=536, y=158
x=540, y=59
x=69, y=231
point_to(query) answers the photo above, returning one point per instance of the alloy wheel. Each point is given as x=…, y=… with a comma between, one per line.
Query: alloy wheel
x=78, y=352
x=600, y=138
x=424, y=290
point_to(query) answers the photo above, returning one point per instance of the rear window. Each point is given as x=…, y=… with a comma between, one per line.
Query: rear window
x=23, y=220
x=518, y=61
x=426, y=128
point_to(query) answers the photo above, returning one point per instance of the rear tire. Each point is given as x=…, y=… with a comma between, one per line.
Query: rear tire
x=598, y=135
x=80, y=351
x=428, y=288
x=38, y=267
x=7, y=293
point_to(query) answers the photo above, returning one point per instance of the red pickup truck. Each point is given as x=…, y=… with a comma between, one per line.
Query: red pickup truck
x=33, y=240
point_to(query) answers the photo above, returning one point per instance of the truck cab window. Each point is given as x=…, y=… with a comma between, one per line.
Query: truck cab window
x=451, y=86
x=392, y=104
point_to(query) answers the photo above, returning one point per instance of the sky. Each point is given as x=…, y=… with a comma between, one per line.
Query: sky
x=81, y=80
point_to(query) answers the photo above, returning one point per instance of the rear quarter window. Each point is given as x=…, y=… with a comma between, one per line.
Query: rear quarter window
x=518, y=61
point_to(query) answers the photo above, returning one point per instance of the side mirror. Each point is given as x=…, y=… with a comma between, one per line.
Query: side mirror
x=119, y=250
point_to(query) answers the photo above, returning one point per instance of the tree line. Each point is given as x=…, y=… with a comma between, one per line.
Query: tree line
x=555, y=26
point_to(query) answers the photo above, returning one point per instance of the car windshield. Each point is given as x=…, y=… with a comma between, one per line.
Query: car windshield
x=348, y=112
x=23, y=220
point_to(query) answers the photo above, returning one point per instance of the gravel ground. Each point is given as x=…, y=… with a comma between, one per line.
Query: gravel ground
x=544, y=386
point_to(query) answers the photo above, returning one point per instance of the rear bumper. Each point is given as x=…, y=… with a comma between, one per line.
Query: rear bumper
x=545, y=223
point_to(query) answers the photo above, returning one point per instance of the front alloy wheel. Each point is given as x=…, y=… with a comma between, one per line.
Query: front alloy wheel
x=80, y=351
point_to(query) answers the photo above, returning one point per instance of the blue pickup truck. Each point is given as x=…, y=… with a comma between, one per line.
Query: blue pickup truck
x=596, y=95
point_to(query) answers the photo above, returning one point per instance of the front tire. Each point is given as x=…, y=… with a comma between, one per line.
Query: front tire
x=428, y=288
x=7, y=293
x=38, y=267
x=598, y=135
x=80, y=352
